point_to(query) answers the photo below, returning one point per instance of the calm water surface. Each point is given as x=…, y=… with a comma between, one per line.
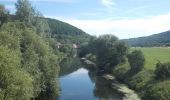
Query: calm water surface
x=83, y=85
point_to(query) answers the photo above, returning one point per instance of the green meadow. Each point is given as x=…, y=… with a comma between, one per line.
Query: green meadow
x=153, y=55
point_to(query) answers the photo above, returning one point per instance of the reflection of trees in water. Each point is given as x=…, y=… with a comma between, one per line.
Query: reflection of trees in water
x=49, y=97
x=69, y=65
x=92, y=76
x=103, y=88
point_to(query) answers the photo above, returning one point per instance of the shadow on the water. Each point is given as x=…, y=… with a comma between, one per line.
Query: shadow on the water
x=69, y=65
x=102, y=88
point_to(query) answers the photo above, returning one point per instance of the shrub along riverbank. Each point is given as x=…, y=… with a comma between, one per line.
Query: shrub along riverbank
x=112, y=56
x=144, y=82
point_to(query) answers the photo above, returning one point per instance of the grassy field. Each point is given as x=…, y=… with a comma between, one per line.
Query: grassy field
x=154, y=54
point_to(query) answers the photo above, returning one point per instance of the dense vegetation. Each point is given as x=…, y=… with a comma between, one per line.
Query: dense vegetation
x=161, y=39
x=66, y=33
x=150, y=84
x=136, y=60
x=108, y=51
x=31, y=50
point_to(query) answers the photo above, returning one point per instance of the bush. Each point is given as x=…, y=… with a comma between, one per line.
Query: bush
x=121, y=70
x=141, y=79
x=158, y=91
x=162, y=70
x=136, y=60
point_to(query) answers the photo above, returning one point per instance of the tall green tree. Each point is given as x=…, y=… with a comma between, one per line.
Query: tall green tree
x=109, y=51
x=4, y=14
x=136, y=60
x=162, y=70
x=24, y=11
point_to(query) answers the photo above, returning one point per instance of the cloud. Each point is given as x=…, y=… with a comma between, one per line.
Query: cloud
x=109, y=6
x=107, y=3
x=123, y=28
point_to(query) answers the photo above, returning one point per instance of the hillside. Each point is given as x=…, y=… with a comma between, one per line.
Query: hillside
x=67, y=33
x=160, y=39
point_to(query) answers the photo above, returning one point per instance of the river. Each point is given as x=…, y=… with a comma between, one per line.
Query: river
x=84, y=85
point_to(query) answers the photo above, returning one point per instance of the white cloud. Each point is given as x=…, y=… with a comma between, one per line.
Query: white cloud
x=109, y=6
x=107, y=3
x=123, y=28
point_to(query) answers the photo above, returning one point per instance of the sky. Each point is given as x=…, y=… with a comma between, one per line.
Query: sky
x=122, y=18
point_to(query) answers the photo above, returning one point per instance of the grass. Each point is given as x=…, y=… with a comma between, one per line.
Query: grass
x=154, y=54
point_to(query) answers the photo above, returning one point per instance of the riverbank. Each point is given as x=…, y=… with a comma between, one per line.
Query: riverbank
x=121, y=88
x=143, y=82
x=128, y=94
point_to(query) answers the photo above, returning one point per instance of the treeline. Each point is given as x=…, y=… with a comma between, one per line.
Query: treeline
x=29, y=57
x=161, y=39
x=113, y=56
x=66, y=33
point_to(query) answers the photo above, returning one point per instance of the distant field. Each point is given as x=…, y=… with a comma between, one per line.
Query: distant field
x=154, y=54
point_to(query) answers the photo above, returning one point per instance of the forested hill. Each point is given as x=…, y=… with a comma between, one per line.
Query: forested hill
x=59, y=27
x=160, y=39
x=66, y=32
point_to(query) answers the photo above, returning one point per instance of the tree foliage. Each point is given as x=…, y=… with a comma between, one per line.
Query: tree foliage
x=136, y=60
x=35, y=58
x=29, y=64
x=24, y=11
x=162, y=70
x=109, y=51
x=158, y=91
x=29, y=56
x=15, y=83
x=4, y=14
x=66, y=33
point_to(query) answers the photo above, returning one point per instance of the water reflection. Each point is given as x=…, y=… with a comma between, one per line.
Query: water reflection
x=102, y=89
x=69, y=65
x=77, y=86
x=80, y=84
x=84, y=85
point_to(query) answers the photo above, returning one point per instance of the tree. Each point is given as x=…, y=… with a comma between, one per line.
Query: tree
x=3, y=14
x=24, y=11
x=109, y=51
x=35, y=59
x=28, y=14
x=15, y=83
x=162, y=70
x=136, y=60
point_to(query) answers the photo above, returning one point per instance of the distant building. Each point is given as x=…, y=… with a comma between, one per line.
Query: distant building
x=59, y=45
x=75, y=46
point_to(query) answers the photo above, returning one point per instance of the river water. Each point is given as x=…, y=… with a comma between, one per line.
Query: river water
x=84, y=85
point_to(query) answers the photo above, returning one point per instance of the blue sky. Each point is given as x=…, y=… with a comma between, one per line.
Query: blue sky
x=123, y=18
